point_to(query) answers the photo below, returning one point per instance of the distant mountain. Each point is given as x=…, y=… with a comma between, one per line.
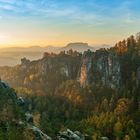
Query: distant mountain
x=29, y=49
x=12, y=55
x=78, y=46
x=81, y=47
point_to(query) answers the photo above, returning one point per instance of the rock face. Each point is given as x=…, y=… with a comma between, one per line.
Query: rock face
x=103, y=67
x=85, y=68
x=100, y=68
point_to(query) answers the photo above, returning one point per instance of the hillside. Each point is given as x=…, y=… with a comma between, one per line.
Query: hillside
x=96, y=93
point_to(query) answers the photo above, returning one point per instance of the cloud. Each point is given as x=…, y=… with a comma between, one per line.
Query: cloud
x=92, y=12
x=8, y=1
x=7, y=7
x=52, y=9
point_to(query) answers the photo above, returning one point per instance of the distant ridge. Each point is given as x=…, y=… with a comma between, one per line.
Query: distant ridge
x=78, y=46
x=12, y=55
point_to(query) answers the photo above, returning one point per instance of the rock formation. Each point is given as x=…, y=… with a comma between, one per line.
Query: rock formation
x=100, y=67
x=28, y=122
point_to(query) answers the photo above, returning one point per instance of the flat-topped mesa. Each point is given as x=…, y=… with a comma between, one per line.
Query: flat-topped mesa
x=78, y=44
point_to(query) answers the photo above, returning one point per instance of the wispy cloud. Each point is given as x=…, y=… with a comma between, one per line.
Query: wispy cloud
x=69, y=16
x=8, y=1
x=7, y=7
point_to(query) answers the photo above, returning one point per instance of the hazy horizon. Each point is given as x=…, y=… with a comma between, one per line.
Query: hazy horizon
x=47, y=46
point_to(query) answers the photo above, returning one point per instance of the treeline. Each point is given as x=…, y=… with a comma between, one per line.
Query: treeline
x=95, y=110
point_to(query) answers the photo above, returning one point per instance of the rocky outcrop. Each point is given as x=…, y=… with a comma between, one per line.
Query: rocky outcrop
x=70, y=135
x=38, y=133
x=85, y=68
x=76, y=135
x=101, y=67
x=28, y=122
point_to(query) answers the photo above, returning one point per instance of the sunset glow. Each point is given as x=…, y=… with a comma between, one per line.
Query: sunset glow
x=55, y=22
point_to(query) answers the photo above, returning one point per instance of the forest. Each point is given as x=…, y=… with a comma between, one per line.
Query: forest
x=96, y=93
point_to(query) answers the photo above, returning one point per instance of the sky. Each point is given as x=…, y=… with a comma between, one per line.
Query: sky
x=58, y=22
